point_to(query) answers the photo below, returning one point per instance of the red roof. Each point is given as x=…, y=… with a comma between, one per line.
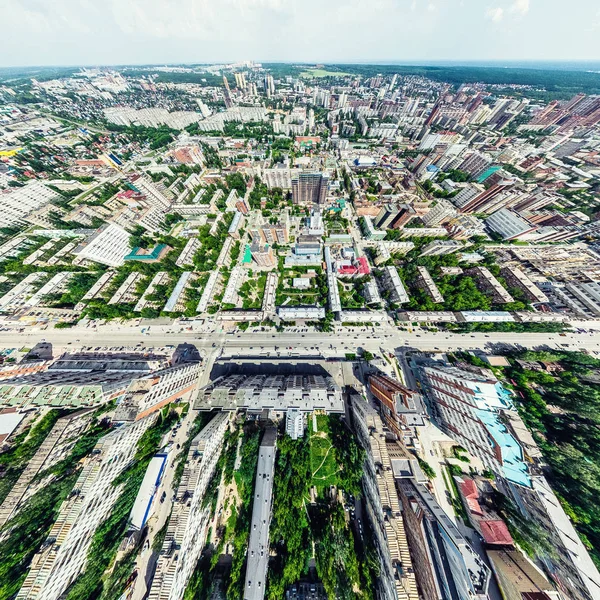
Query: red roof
x=470, y=492
x=359, y=267
x=496, y=532
x=469, y=489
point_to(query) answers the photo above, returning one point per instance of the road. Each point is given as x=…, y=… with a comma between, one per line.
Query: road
x=343, y=340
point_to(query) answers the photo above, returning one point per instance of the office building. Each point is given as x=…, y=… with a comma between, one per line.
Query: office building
x=310, y=188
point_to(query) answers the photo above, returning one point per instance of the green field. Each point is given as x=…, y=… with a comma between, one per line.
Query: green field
x=323, y=462
x=314, y=73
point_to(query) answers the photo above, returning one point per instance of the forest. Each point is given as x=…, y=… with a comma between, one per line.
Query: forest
x=561, y=406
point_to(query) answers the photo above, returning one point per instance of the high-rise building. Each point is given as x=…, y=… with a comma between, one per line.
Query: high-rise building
x=240, y=80
x=262, y=255
x=385, y=216
x=489, y=200
x=441, y=213
x=396, y=401
x=310, y=188
x=446, y=566
x=475, y=164
x=467, y=405
x=190, y=519
x=397, y=578
x=269, y=85
x=58, y=564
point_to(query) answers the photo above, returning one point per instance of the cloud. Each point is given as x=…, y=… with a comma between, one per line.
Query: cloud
x=520, y=7
x=495, y=14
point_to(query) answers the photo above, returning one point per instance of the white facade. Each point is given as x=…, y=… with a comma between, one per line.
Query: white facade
x=108, y=247
x=80, y=515
x=20, y=202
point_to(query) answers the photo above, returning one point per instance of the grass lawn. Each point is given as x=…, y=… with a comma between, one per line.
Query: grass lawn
x=312, y=73
x=323, y=462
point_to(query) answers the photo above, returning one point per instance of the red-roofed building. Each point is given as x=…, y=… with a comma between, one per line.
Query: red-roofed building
x=358, y=268
x=495, y=533
x=470, y=494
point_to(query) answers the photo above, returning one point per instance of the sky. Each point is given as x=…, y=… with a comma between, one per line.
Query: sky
x=105, y=32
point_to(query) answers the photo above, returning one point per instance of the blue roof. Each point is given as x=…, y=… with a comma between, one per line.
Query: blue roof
x=513, y=463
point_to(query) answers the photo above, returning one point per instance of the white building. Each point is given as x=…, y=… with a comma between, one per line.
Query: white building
x=108, y=246
x=18, y=203
x=189, y=523
x=57, y=566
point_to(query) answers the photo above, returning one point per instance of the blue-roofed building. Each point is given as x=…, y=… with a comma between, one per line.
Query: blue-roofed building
x=487, y=173
x=468, y=406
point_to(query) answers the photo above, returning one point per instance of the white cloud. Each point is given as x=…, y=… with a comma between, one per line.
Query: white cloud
x=495, y=14
x=520, y=7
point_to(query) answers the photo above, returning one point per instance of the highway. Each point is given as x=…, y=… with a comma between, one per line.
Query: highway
x=289, y=343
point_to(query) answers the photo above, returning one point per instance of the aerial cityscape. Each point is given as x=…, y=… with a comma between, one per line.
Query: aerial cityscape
x=299, y=330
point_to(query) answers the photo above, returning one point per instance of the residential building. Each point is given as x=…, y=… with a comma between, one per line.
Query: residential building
x=57, y=565
x=262, y=255
x=468, y=405
x=189, y=523
x=517, y=278
x=445, y=564
x=441, y=213
x=397, y=402
x=391, y=282
x=397, y=578
x=310, y=188
x=300, y=391
x=426, y=283
x=489, y=283
x=108, y=246
x=18, y=203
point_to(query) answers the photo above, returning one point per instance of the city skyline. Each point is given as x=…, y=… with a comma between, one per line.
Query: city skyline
x=66, y=32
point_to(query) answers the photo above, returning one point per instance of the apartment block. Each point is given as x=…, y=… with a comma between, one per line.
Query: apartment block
x=108, y=246
x=490, y=284
x=393, y=284
x=397, y=579
x=468, y=406
x=189, y=522
x=58, y=564
x=517, y=278
x=426, y=283
x=310, y=188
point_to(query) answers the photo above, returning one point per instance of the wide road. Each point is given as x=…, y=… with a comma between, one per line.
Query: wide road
x=287, y=343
